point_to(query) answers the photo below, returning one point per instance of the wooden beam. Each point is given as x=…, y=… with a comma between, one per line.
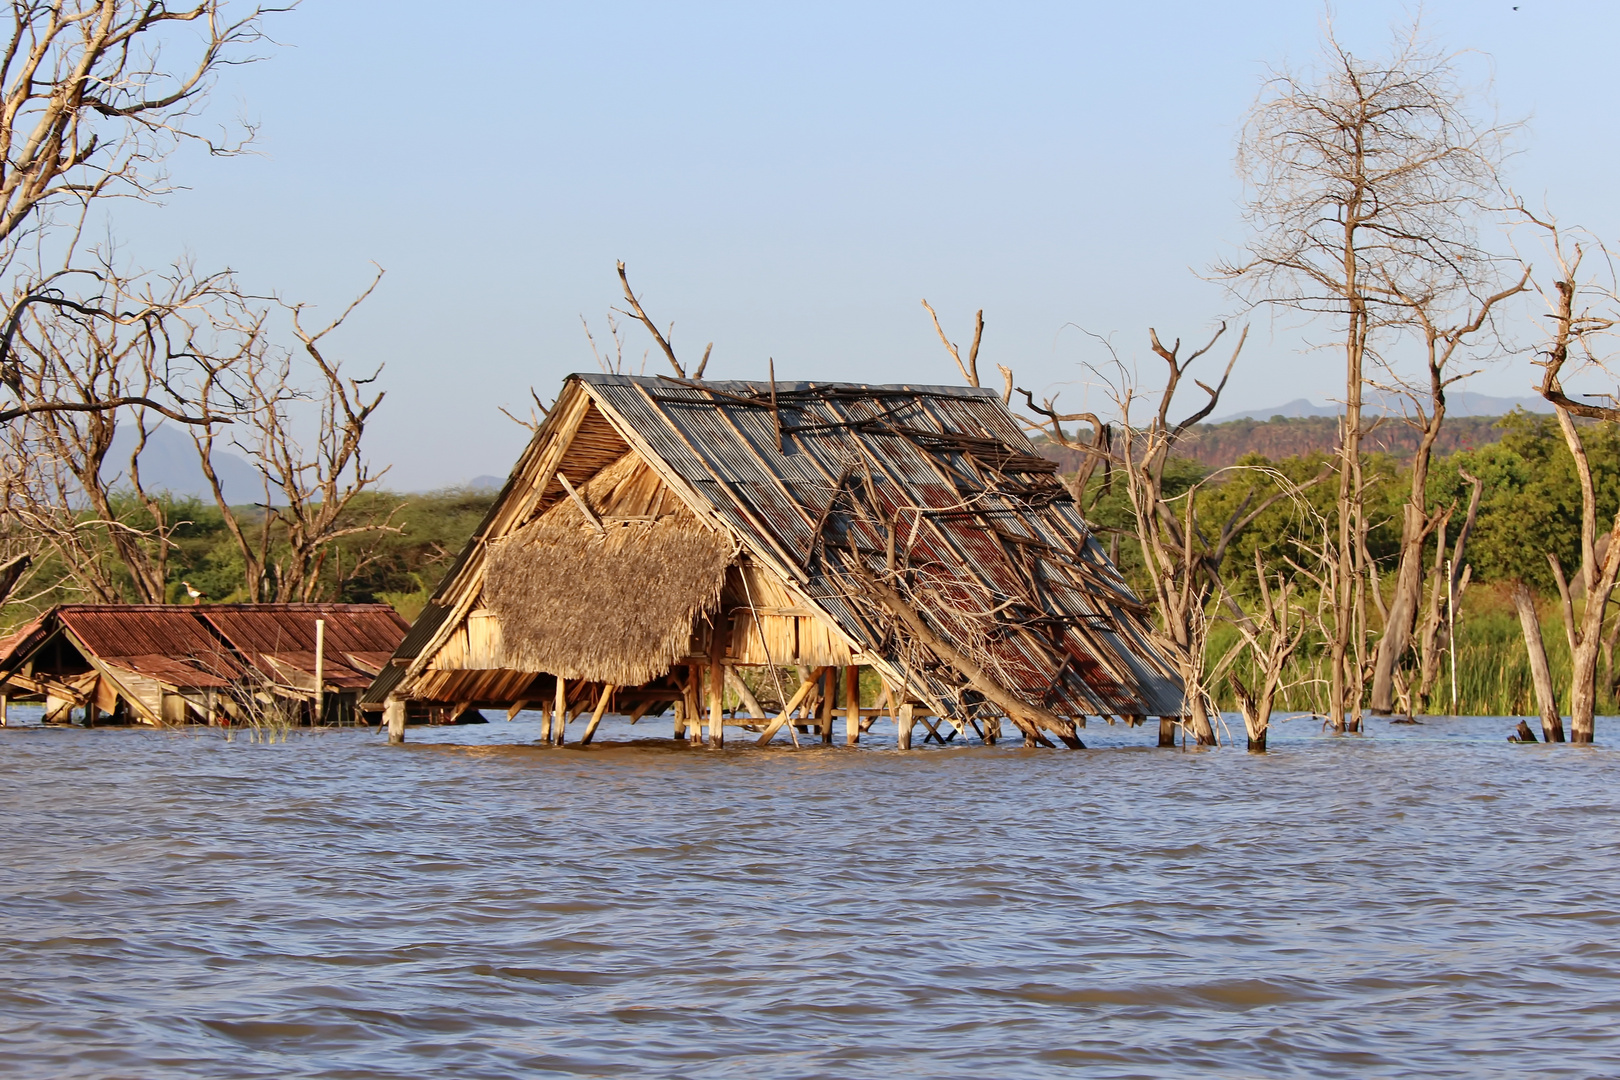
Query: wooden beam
x=584, y=507
x=750, y=702
x=596, y=717
x=794, y=702
x=828, y=693
x=515, y=708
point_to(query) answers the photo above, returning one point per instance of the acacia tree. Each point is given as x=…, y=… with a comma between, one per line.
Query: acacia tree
x=1365, y=181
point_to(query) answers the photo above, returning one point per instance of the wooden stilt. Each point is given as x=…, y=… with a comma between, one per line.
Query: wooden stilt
x=852, y=705
x=828, y=694
x=717, y=701
x=596, y=717
x=559, y=715
x=394, y=717
x=1167, y=731
x=903, y=725
x=694, y=706
x=5, y=709
x=680, y=719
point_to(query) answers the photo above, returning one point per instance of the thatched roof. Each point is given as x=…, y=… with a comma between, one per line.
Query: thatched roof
x=856, y=497
x=614, y=607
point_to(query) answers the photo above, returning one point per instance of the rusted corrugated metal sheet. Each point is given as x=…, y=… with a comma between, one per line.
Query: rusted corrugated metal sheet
x=359, y=638
x=165, y=642
x=985, y=522
x=212, y=646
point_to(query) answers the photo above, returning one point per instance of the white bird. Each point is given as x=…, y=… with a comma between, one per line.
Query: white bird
x=191, y=591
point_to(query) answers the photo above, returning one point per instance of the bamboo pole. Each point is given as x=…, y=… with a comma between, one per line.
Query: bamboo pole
x=596, y=717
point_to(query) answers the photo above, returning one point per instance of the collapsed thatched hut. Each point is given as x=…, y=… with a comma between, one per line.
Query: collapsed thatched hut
x=659, y=534
x=164, y=664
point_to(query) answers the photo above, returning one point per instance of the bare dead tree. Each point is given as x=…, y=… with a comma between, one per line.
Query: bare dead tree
x=1367, y=179
x=312, y=492
x=1441, y=343
x=1579, y=332
x=1270, y=632
x=134, y=342
x=639, y=313
x=1448, y=581
x=1182, y=555
x=90, y=108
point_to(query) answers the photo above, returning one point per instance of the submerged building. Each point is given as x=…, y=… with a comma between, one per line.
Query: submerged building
x=166, y=664
x=658, y=535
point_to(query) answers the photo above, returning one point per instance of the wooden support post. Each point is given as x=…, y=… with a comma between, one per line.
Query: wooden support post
x=680, y=718
x=694, y=706
x=903, y=726
x=717, y=682
x=596, y=717
x=320, y=672
x=828, y=694
x=717, y=702
x=852, y=705
x=1167, y=731
x=559, y=716
x=515, y=708
x=5, y=709
x=394, y=717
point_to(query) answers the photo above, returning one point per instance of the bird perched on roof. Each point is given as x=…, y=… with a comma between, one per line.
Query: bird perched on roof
x=193, y=592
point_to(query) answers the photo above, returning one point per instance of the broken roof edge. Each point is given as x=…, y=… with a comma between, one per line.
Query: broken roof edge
x=782, y=385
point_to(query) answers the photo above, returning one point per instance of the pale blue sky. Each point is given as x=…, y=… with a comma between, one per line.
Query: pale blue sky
x=788, y=181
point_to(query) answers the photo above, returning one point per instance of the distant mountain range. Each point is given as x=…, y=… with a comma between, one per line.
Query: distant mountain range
x=1459, y=403
x=169, y=463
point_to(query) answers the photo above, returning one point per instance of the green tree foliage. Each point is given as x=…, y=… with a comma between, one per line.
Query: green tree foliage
x=401, y=568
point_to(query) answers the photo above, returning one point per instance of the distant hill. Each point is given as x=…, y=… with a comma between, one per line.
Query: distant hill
x=1459, y=403
x=1218, y=445
x=169, y=463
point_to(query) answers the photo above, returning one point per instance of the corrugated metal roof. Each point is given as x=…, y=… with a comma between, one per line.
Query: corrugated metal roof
x=162, y=641
x=213, y=645
x=286, y=633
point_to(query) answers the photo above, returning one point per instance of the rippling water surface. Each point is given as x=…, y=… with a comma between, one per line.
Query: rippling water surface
x=1423, y=901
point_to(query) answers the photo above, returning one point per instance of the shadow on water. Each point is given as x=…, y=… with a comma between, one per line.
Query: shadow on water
x=1420, y=900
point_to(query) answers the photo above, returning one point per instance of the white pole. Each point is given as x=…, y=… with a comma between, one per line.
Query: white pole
x=320, y=668
x=1451, y=617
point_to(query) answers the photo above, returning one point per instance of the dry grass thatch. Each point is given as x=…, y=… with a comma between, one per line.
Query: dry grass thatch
x=614, y=608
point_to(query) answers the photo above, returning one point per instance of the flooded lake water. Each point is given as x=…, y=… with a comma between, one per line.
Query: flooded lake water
x=1423, y=901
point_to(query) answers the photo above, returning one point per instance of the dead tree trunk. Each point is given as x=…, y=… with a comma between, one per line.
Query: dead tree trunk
x=1552, y=725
